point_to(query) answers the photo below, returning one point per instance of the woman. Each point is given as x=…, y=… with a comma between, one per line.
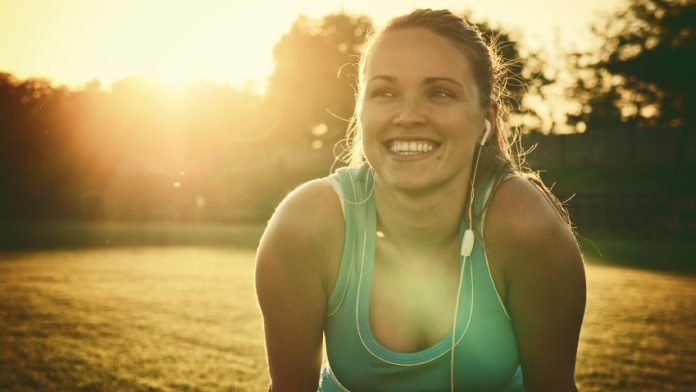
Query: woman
x=380, y=258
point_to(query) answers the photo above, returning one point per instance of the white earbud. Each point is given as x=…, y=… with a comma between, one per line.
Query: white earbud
x=487, y=126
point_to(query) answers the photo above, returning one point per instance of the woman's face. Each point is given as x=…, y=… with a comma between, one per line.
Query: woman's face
x=421, y=115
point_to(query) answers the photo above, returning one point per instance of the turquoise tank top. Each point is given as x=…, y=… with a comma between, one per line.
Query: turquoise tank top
x=486, y=356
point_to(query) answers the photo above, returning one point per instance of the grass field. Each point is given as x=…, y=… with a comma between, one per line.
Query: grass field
x=185, y=318
x=130, y=319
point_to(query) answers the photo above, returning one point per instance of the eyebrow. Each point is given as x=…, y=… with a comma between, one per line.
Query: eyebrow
x=445, y=79
x=383, y=77
x=430, y=80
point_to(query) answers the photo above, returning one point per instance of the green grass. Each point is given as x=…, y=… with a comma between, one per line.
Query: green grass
x=186, y=318
x=650, y=253
x=130, y=319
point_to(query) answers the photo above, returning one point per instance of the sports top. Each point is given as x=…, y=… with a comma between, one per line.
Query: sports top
x=486, y=356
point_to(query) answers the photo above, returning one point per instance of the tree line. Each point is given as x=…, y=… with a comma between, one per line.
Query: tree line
x=212, y=151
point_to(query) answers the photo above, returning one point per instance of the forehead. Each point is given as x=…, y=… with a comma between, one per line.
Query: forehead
x=416, y=53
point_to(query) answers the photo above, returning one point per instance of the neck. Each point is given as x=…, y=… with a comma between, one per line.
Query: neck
x=421, y=221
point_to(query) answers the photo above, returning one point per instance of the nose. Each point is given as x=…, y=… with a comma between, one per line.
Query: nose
x=410, y=113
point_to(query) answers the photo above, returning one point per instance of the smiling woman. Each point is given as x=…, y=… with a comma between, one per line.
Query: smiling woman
x=402, y=93
x=389, y=260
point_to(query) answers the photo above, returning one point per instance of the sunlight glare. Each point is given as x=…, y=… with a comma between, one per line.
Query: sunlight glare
x=176, y=43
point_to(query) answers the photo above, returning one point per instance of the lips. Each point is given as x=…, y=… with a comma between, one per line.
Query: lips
x=411, y=146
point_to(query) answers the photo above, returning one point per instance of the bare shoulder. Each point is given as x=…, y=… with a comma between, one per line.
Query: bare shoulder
x=522, y=220
x=305, y=233
x=536, y=259
x=311, y=211
x=527, y=241
x=301, y=246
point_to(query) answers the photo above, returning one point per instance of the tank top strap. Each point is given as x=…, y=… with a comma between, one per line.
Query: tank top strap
x=355, y=188
x=484, y=194
x=356, y=184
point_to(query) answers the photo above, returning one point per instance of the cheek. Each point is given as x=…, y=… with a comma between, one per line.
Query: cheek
x=375, y=115
x=370, y=139
x=366, y=115
x=369, y=123
x=369, y=143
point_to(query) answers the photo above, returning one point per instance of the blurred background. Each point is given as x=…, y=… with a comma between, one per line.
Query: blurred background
x=126, y=126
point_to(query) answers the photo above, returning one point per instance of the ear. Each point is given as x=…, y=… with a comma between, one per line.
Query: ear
x=486, y=131
x=489, y=123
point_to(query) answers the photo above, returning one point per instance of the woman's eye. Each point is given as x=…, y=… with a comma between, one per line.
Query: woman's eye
x=441, y=94
x=383, y=94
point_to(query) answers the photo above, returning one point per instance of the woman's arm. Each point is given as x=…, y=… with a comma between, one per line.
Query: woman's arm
x=302, y=241
x=544, y=282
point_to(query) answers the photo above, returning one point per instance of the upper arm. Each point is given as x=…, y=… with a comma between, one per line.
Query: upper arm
x=296, y=249
x=545, y=283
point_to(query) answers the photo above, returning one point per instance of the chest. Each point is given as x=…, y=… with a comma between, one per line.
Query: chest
x=412, y=301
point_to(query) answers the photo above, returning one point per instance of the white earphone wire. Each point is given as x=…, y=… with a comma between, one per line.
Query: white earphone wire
x=467, y=248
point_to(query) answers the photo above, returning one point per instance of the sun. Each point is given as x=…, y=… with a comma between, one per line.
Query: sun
x=176, y=45
x=172, y=43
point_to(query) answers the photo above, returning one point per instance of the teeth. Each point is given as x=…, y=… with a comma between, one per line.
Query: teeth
x=411, y=147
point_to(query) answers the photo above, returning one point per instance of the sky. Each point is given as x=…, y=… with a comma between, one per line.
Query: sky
x=177, y=42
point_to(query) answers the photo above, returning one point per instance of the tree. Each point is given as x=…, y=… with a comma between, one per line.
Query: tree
x=311, y=91
x=34, y=171
x=522, y=74
x=642, y=76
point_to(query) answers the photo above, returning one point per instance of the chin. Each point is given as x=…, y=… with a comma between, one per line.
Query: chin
x=411, y=183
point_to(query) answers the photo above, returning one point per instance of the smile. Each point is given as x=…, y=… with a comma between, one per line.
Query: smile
x=411, y=147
